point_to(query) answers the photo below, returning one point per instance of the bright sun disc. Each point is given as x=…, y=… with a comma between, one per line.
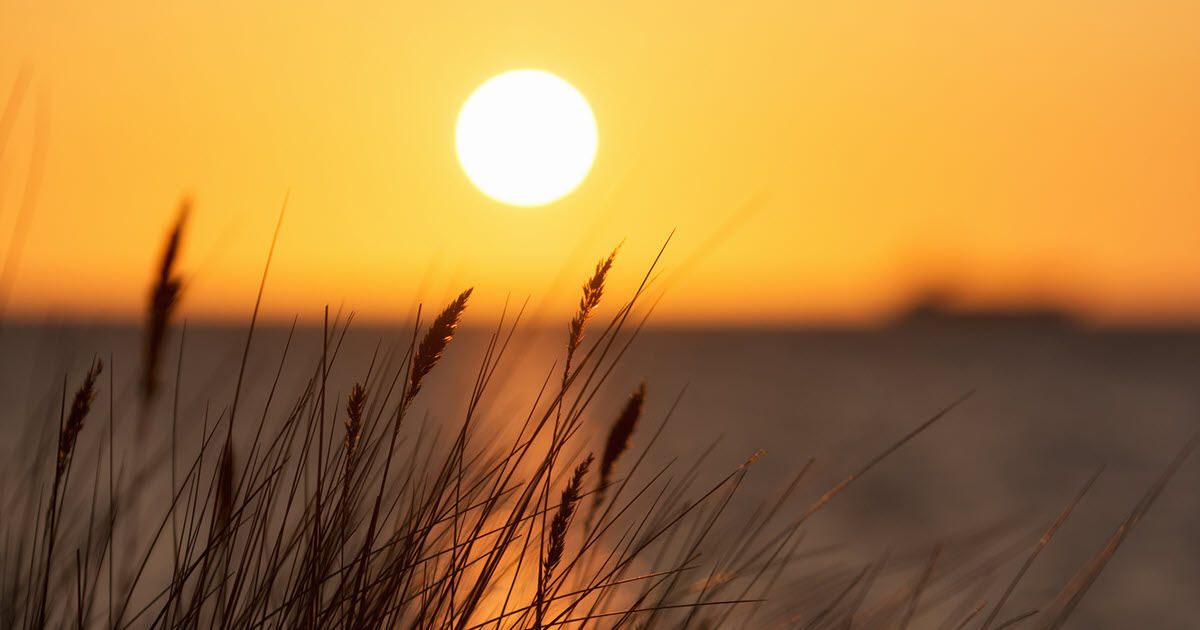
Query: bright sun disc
x=526, y=137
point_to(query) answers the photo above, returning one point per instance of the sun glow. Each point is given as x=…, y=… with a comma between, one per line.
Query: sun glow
x=526, y=138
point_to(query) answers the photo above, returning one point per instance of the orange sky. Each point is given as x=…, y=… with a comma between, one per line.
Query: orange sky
x=1012, y=151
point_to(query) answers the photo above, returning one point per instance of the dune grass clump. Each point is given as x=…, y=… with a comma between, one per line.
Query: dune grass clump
x=319, y=515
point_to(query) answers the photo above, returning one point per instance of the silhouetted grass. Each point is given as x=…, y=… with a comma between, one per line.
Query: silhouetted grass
x=351, y=517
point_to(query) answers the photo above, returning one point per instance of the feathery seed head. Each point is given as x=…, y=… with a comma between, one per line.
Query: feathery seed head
x=558, y=530
x=80, y=405
x=618, y=436
x=164, y=297
x=355, y=404
x=434, y=343
x=593, y=290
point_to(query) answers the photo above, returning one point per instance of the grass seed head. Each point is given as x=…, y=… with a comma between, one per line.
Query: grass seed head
x=558, y=532
x=164, y=297
x=440, y=332
x=618, y=437
x=593, y=290
x=80, y=405
x=355, y=404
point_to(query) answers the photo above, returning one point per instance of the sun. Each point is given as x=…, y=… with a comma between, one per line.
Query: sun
x=526, y=137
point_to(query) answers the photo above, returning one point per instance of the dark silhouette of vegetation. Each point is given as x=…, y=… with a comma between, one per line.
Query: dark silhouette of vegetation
x=298, y=525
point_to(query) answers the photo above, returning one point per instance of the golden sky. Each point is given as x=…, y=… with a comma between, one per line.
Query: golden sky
x=829, y=159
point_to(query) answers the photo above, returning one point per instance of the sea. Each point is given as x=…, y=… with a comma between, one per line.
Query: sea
x=1033, y=408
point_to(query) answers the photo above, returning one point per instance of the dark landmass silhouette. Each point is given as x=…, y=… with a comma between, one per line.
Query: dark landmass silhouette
x=943, y=308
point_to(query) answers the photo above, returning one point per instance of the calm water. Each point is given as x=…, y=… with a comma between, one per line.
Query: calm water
x=1051, y=403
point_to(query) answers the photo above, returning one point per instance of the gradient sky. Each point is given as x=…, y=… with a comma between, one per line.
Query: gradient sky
x=819, y=161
